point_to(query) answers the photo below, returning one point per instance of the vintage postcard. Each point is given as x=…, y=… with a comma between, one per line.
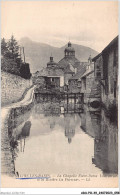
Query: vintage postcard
x=59, y=94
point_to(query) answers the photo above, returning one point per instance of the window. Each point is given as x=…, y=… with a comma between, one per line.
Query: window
x=115, y=87
x=79, y=83
x=53, y=79
x=84, y=82
x=98, y=74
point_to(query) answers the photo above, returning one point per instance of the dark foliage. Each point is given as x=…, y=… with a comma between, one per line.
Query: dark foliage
x=111, y=112
x=11, y=60
x=13, y=48
x=25, y=71
x=4, y=47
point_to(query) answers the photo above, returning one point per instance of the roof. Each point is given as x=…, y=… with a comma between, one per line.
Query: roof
x=96, y=57
x=52, y=63
x=82, y=64
x=79, y=73
x=68, y=70
x=50, y=72
x=88, y=71
x=111, y=44
x=69, y=60
x=69, y=49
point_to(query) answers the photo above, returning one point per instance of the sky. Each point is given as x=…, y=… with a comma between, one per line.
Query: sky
x=89, y=23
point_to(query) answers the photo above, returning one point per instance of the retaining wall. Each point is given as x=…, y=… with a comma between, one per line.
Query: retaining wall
x=12, y=87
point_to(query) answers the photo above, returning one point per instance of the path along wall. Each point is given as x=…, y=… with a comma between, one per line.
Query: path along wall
x=12, y=87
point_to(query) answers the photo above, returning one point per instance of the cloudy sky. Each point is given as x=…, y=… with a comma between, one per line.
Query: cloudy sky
x=90, y=23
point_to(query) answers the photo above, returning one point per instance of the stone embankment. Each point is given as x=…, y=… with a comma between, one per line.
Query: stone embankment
x=7, y=161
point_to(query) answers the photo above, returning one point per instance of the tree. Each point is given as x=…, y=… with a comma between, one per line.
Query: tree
x=4, y=47
x=13, y=48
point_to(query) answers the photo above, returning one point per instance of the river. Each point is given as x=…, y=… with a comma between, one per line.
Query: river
x=63, y=137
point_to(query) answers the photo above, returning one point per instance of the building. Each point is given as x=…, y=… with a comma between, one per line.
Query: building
x=89, y=86
x=54, y=78
x=69, y=64
x=66, y=74
x=74, y=83
x=51, y=63
x=106, y=72
x=51, y=77
x=54, y=75
x=38, y=80
x=100, y=81
x=98, y=63
x=86, y=83
x=110, y=73
x=73, y=69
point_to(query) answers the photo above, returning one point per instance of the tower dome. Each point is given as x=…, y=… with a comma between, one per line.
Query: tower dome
x=69, y=51
x=51, y=63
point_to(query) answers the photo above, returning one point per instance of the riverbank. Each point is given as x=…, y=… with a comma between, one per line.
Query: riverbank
x=27, y=99
x=19, y=107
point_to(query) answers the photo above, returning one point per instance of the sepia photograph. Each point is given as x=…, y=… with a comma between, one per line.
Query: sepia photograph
x=59, y=94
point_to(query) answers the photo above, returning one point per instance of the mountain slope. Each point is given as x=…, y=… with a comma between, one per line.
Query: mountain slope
x=38, y=54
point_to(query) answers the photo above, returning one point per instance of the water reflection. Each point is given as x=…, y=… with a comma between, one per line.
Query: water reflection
x=70, y=125
x=91, y=145
x=17, y=141
x=54, y=117
x=105, y=135
x=24, y=134
x=106, y=147
x=10, y=142
x=71, y=103
x=25, y=130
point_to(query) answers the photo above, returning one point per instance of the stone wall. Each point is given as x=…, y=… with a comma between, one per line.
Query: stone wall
x=91, y=88
x=73, y=86
x=89, y=85
x=98, y=64
x=110, y=95
x=12, y=87
x=67, y=76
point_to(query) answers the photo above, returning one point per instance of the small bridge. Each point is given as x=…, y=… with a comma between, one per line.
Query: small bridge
x=77, y=97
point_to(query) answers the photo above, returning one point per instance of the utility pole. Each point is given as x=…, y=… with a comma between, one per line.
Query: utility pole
x=20, y=51
x=24, y=54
